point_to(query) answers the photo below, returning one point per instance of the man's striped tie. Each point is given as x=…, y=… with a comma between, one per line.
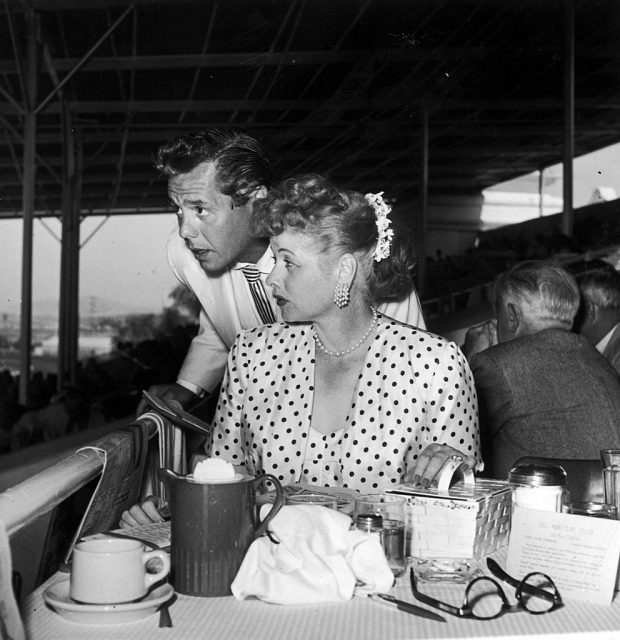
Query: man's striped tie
x=252, y=275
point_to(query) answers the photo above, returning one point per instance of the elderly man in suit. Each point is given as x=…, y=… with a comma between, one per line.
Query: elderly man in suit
x=542, y=390
x=600, y=318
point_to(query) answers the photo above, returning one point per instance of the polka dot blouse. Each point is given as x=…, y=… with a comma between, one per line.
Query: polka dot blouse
x=414, y=388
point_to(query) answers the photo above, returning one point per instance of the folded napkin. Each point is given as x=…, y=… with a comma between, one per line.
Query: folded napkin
x=318, y=559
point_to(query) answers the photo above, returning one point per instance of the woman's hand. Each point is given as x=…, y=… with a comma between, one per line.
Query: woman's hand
x=153, y=509
x=432, y=462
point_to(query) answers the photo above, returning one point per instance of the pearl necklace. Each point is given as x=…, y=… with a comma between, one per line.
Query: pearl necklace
x=344, y=352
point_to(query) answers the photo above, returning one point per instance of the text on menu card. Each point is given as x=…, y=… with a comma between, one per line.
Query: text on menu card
x=579, y=553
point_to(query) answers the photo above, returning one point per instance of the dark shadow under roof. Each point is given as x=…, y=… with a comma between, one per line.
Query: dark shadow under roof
x=336, y=86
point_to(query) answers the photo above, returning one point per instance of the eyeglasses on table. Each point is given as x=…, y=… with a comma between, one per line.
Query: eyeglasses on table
x=485, y=598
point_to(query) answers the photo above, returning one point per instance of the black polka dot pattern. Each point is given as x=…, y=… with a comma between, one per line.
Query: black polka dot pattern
x=321, y=466
x=414, y=388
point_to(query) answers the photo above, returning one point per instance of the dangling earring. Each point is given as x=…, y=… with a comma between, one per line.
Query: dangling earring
x=341, y=294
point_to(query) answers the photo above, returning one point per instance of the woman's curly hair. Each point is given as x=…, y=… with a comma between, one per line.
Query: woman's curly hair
x=338, y=218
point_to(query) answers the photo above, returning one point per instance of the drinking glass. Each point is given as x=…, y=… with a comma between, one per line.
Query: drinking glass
x=611, y=478
x=610, y=458
x=594, y=509
x=317, y=499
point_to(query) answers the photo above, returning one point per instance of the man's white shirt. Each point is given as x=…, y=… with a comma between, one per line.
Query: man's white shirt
x=604, y=341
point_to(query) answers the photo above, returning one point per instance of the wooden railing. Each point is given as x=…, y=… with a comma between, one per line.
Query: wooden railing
x=26, y=501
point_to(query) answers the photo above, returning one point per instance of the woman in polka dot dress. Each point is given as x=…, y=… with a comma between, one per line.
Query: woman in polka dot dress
x=338, y=394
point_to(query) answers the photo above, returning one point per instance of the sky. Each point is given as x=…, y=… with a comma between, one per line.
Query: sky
x=125, y=260
x=595, y=170
x=599, y=169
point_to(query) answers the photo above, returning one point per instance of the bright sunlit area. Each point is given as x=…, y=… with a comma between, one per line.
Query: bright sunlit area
x=123, y=266
x=596, y=178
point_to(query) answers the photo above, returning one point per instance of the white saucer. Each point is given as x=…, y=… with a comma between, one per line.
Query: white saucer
x=57, y=597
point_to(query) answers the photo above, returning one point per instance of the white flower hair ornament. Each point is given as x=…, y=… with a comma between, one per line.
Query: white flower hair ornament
x=385, y=234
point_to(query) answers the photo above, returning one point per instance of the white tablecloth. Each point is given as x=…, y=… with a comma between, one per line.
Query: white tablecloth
x=357, y=619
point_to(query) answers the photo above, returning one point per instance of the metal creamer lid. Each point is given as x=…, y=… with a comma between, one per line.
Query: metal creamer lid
x=538, y=475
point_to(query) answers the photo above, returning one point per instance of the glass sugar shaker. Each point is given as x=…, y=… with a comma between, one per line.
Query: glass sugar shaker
x=392, y=537
x=539, y=486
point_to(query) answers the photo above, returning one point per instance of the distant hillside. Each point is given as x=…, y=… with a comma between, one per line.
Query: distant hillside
x=90, y=307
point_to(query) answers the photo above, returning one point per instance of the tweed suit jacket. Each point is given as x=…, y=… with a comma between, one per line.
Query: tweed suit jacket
x=549, y=394
x=612, y=350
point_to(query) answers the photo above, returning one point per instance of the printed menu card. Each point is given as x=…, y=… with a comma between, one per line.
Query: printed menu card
x=579, y=553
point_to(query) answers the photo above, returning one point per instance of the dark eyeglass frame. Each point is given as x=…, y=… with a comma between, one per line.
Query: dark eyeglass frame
x=521, y=587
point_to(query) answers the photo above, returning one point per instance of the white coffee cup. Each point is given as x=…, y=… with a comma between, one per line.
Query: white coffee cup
x=113, y=570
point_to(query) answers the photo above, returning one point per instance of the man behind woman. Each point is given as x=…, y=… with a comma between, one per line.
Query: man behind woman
x=339, y=394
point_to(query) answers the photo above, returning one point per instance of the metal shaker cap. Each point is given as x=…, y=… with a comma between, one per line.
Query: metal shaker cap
x=538, y=475
x=369, y=521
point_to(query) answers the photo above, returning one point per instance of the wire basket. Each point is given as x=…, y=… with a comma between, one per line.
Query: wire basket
x=467, y=521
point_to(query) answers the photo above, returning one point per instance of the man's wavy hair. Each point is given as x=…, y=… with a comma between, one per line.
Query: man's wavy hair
x=241, y=165
x=338, y=218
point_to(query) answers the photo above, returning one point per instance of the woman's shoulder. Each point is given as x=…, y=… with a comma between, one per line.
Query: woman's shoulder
x=278, y=332
x=400, y=331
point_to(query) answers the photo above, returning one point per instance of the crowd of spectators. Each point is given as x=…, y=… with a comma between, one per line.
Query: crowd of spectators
x=498, y=250
x=108, y=389
x=492, y=255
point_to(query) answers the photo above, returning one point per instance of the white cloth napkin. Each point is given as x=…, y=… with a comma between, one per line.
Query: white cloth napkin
x=319, y=559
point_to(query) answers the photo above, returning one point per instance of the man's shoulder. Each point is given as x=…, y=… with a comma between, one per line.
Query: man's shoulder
x=509, y=355
x=552, y=339
x=182, y=262
x=557, y=350
x=175, y=246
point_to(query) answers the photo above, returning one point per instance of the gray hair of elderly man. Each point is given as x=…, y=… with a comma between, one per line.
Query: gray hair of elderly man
x=601, y=288
x=545, y=292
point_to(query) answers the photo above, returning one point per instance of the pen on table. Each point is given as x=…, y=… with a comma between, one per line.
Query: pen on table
x=407, y=607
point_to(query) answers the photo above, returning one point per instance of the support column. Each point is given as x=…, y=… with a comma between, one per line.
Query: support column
x=569, y=117
x=28, y=205
x=68, y=321
x=68, y=325
x=541, y=186
x=422, y=229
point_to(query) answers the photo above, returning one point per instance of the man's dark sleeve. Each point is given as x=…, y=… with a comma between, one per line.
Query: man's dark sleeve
x=494, y=402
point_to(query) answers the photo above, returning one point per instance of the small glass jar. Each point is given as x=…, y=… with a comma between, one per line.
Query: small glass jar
x=539, y=486
x=392, y=537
